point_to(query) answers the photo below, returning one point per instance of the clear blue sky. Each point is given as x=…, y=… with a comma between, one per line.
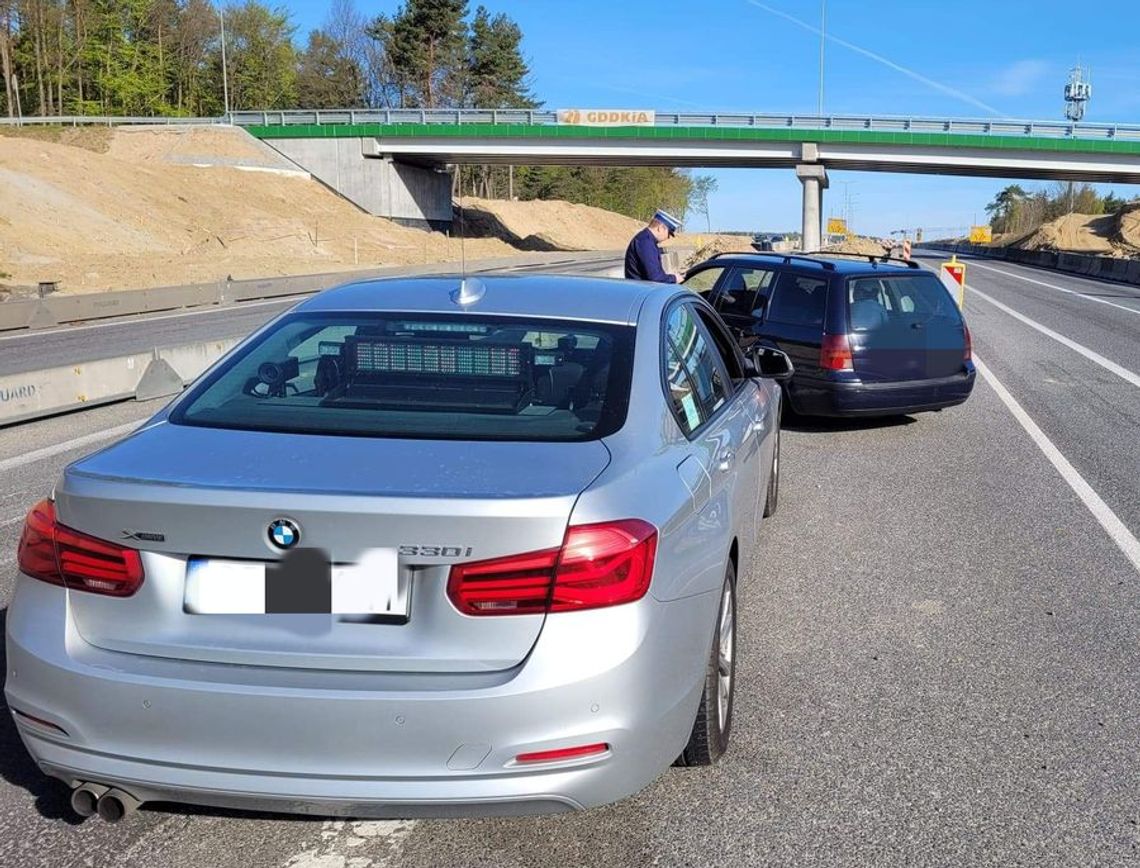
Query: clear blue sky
x=968, y=58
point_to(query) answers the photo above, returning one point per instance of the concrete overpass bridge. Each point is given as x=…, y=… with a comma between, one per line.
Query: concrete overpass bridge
x=397, y=163
x=413, y=149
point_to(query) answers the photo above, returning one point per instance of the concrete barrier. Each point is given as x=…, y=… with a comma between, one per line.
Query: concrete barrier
x=154, y=374
x=22, y=313
x=1105, y=267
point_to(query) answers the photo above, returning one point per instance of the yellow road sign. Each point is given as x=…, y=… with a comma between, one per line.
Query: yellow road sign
x=981, y=235
x=836, y=226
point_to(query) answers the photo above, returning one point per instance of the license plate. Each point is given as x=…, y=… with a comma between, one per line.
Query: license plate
x=375, y=587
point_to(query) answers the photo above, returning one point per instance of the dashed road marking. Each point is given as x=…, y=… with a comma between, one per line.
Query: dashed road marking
x=1063, y=289
x=1091, y=355
x=1116, y=529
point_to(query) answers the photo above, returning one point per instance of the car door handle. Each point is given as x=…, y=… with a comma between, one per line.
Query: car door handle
x=724, y=460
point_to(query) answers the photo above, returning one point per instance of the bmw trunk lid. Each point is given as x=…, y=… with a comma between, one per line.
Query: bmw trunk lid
x=179, y=493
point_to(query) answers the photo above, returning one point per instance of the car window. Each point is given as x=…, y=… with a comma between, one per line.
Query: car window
x=726, y=348
x=704, y=280
x=798, y=300
x=426, y=376
x=737, y=295
x=701, y=363
x=875, y=302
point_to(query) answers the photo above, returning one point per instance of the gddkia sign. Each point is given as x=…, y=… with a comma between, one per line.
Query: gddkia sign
x=607, y=117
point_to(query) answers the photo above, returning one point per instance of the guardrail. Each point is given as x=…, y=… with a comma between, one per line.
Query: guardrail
x=58, y=308
x=1108, y=267
x=878, y=123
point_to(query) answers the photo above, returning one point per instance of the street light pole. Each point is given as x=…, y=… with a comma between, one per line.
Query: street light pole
x=225, y=73
x=822, y=39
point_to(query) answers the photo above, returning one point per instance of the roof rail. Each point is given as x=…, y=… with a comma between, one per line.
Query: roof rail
x=786, y=257
x=910, y=263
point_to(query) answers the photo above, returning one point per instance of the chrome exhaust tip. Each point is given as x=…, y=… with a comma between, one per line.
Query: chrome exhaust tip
x=85, y=798
x=116, y=805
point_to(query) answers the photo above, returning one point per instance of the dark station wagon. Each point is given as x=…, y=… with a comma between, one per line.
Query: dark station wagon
x=869, y=336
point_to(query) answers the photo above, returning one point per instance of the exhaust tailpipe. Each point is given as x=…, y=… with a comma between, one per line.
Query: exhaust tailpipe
x=115, y=805
x=85, y=797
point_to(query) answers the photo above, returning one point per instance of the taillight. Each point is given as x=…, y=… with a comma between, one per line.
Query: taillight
x=968, y=353
x=57, y=554
x=598, y=565
x=835, y=353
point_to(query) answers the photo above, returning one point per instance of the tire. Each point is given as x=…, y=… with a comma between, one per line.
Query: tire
x=772, y=499
x=711, y=729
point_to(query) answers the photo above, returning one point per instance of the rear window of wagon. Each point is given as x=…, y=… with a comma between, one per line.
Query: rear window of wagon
x=427, y=376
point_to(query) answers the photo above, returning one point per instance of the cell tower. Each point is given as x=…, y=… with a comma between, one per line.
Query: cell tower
x=1078, y=92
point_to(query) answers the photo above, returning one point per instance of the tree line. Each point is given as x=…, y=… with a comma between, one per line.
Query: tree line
x=1017, y=211
x=168, y=58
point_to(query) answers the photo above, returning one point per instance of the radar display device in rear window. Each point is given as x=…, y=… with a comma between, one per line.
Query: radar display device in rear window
x=440, y=377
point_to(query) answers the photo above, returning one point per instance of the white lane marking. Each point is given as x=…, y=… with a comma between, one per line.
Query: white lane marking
x=68, y=445
x=214, y=309
x=1059, y=288
x=1092, y=356
x=1124, y=538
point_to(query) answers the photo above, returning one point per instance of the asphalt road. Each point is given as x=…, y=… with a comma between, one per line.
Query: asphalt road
x=100, y=339
x=939, y=659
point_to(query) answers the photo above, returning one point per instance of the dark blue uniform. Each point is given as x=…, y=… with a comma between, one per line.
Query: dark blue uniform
x=643, y=259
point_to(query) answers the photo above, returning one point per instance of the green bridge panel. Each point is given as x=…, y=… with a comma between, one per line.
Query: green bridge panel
x=720, y=134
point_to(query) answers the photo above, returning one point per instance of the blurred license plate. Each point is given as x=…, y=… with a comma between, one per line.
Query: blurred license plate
x=373, y=587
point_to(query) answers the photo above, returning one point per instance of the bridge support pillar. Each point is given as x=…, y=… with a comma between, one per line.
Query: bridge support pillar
x=814, y=178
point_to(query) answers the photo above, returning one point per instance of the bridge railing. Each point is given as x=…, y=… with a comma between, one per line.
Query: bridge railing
x=883, y=123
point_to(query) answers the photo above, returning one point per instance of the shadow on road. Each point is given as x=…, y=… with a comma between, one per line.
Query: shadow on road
x=16, y=766
x=837, y=425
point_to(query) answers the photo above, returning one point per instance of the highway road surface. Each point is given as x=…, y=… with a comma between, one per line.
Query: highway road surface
x=940, y=649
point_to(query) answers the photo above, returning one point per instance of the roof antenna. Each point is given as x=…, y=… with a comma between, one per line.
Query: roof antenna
x=462, y=233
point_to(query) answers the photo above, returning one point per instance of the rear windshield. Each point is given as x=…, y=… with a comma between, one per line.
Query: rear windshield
x=422, y=376
x=876, y=302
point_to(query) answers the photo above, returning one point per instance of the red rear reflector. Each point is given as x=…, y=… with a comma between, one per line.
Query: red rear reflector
x=564, y=753
x=969, y=352
x=57, y=554
x=835, y=353
x=598, y=565
x=39, y=721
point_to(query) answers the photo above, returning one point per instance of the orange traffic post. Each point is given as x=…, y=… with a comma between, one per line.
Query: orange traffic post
x=953, y=274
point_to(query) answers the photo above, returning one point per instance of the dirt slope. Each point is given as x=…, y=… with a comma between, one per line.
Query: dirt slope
x=1101, y=234
x=130, y=218
x=552, y=225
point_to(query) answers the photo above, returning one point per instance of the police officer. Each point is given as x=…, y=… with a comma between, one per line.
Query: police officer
x=643, y=256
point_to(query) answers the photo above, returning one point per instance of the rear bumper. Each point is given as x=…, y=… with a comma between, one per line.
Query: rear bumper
x=240, y=736
x=854, y=398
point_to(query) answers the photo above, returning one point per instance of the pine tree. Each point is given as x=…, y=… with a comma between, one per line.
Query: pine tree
x=426, y=44
x=497, y=73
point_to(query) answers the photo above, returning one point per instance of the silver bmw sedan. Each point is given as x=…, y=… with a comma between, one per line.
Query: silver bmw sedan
x=417, y=547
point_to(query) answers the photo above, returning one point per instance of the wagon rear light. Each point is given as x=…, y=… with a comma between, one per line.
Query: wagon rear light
x=563, y=753
x=968, y=353
x=54, y=553
x=598, y=565
x=835, y=353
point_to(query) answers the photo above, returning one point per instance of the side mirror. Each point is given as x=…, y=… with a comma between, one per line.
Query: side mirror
x=761, y=306
x=772, y=364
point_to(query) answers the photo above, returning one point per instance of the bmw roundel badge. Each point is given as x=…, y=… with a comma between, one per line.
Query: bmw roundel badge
x=284, y=534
